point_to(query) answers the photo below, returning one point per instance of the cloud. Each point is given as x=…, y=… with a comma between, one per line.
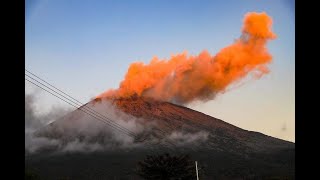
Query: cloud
x=185, y=138
x=79, y=132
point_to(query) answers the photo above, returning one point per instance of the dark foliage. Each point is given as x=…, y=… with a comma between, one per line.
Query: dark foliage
x=30, y=174
x=166, y=167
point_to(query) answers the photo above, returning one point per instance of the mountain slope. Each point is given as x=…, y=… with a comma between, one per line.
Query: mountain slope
x=172, y=117
x=226, y=150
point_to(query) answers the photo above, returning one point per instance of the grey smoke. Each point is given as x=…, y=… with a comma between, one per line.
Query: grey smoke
x=185, y=138
x=35, y=121
x=83, y=133
x=31, y=121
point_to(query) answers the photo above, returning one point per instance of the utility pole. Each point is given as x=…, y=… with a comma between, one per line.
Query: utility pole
x=197, y=170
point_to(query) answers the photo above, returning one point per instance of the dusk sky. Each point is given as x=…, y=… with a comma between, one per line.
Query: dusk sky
x=85, y=48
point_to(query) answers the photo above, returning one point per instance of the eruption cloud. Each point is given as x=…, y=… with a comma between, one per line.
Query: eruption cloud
x=183, y=79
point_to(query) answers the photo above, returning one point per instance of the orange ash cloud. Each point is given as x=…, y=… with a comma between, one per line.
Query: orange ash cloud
x=183, y=79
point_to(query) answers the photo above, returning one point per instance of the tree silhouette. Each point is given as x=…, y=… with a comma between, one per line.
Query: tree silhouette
x=166, y=167
x=30, y=174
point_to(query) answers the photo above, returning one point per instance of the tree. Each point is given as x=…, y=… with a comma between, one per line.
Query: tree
x=30, y=174
x=166, y=167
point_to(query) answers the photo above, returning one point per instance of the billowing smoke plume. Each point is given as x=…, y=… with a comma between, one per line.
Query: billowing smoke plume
x=183, y=79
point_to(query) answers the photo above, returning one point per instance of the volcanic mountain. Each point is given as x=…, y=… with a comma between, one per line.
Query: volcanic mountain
x=143, y=126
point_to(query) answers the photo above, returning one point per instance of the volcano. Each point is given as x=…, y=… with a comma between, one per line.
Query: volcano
x=150, y=126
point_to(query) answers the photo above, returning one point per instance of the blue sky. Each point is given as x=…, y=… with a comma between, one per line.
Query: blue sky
x=85, y=47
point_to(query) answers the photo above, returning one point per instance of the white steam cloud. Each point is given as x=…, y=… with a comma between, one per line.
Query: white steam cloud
x=80, y=132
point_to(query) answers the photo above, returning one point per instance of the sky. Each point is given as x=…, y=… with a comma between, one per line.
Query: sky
x=85, y=47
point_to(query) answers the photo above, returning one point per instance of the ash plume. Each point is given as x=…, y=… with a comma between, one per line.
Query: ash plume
x=183, y=79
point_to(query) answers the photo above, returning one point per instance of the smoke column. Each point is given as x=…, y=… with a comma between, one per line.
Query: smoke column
x=183, y=79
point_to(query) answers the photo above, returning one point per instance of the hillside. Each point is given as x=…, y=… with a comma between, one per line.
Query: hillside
x=224, y=150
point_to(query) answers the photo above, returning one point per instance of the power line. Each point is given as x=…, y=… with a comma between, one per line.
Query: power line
x=92, y=113
x=84, y=107
x=53, y=86
x=75, y=100
x=79, y=108
x=147, y=143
